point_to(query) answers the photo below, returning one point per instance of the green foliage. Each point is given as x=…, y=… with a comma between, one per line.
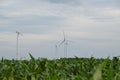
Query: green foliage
x=60, y=69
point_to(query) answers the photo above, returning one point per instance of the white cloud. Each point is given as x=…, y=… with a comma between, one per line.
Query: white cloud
x=79, y=21
x=38, y=37
x=112, y=12
x=5, y=3
x=7, y=36
x=93, y=23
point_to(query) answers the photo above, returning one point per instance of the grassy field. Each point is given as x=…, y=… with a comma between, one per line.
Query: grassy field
x=60, y=69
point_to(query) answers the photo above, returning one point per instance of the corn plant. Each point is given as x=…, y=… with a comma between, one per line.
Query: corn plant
x=60, y=69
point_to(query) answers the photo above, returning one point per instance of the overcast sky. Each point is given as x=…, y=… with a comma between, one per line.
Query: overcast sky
x=93, y=26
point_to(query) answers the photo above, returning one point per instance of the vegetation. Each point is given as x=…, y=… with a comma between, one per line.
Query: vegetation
x=60, y=69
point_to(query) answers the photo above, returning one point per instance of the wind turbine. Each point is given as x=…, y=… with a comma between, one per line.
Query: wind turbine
x=17, y=40
x=56, y=50
x=65, y=43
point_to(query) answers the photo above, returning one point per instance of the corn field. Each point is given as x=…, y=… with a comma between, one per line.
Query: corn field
x=60, y=69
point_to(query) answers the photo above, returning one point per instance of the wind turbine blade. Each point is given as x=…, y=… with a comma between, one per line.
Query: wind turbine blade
x=61, y=42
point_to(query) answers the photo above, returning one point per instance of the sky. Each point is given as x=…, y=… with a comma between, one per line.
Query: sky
x=91, y=26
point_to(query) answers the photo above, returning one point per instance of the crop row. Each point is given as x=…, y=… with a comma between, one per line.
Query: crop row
x=60, y=69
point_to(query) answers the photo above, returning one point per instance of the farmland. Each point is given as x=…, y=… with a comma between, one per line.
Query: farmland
x=60, y=69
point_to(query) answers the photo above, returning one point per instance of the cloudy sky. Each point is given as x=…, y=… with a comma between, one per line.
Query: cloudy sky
x=92, y=26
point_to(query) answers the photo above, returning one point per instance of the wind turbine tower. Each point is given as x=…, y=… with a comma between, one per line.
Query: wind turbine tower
x=56, y=51
x=17, y=41
x=65, y=44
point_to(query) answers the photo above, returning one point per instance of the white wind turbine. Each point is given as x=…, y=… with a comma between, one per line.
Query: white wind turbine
x=65, y=43
x=56, y=50
x=17, y=40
